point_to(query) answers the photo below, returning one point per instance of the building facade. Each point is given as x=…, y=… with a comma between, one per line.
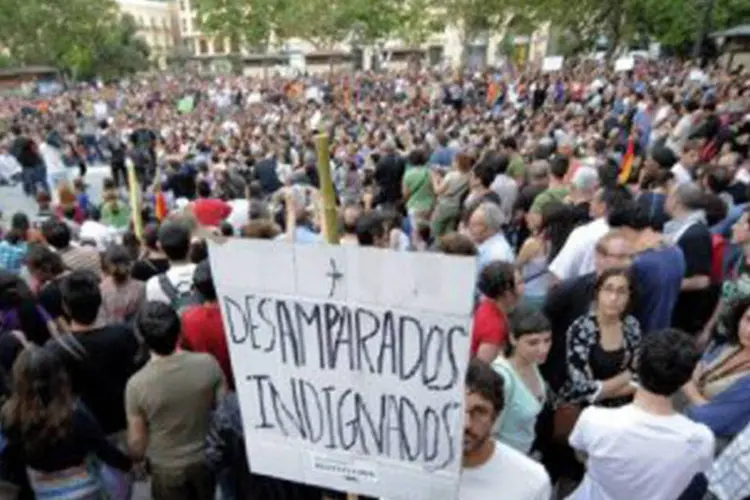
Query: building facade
x=157, y=22
x=520, y=46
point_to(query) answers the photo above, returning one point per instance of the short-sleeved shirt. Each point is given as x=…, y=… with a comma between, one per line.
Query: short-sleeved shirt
x=419, y=182
x=12, y=255
x=657, y=455
x=85, y=258
x=548, y=196
x=211, y=211
x=516, y=167
x=203, y=331
x=181, y=277
x=490, y=326
x=175, y=396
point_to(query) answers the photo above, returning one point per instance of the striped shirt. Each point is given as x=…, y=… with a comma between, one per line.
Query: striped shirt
x=82, y=258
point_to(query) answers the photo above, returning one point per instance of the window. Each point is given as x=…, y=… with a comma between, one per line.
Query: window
x=202, y=46
x=220, y=46
x=184, y=26
x=234, y=44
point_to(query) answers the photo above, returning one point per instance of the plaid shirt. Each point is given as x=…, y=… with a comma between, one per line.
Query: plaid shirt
x=729, y=478
x=12, y=256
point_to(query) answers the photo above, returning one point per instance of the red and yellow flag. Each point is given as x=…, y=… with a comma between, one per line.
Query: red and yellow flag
x=626, y=167
x=160, y=207
x=160, y=201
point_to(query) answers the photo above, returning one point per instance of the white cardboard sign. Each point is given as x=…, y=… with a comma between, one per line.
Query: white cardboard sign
x=552, y=63
x=349, y=363
x=624, y=64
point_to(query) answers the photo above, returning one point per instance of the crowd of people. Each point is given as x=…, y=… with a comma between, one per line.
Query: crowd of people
x=608, y=214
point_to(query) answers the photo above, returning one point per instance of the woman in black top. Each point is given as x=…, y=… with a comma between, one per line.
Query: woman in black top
x=47, y=431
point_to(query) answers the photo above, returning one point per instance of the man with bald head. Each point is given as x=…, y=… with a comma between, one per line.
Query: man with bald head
x=565, y=303
x=573, y=297
x=689, y=231
x=486, y=231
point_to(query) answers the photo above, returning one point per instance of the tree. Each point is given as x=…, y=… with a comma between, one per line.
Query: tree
x=53, y=32
x=673, y=23
x=254, y=22
x=84, y=38
x=122, y=52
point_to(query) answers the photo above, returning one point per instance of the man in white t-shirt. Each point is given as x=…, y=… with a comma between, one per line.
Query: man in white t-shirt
x=177, y=282
x=645, y=449
x=493, y=470
x=576, y=258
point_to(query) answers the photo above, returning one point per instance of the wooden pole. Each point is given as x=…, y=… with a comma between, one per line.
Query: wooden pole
x=135, y=199
x=327, y=193
x=328, y=199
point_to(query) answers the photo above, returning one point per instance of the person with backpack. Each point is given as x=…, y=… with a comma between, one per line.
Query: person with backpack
x=174, y=286
x=202, y=328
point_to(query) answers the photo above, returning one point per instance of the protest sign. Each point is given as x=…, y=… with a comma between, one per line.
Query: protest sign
x=186, y=104
x=552, y=63
x=624, y=64
x=349, y=363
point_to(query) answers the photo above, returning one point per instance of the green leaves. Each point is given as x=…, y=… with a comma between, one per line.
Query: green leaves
x=82, y=37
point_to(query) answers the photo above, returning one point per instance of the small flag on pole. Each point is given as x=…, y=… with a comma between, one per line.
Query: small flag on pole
x=160, y=201
x=626, y=166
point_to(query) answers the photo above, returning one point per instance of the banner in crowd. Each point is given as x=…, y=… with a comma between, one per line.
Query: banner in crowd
x=349, y=363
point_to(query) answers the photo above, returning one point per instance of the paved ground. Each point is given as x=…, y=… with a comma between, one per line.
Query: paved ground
x=13, y=200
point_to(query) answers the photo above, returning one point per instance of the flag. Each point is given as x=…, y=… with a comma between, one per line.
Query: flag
x=160, y=205
x=492, y=93
x=626, y=166
x=160, y=201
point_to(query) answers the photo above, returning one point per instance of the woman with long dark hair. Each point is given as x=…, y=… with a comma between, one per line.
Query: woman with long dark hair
x=22, y=320
x=51, y=434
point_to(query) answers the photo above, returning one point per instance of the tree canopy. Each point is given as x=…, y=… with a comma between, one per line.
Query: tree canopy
x=82, y=37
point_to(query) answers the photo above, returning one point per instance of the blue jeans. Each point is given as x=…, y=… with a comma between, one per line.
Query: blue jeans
x=33, y=178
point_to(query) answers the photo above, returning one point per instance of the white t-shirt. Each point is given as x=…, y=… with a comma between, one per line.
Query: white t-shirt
x=181, y=276
x=681, y=174
x=507, y=474
x=239, y=217
x=101, y=234
x=576, y=257
x=635, y=454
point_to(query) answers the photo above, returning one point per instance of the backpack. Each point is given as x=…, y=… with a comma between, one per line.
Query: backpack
x=718, y=251
x=178, y=300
